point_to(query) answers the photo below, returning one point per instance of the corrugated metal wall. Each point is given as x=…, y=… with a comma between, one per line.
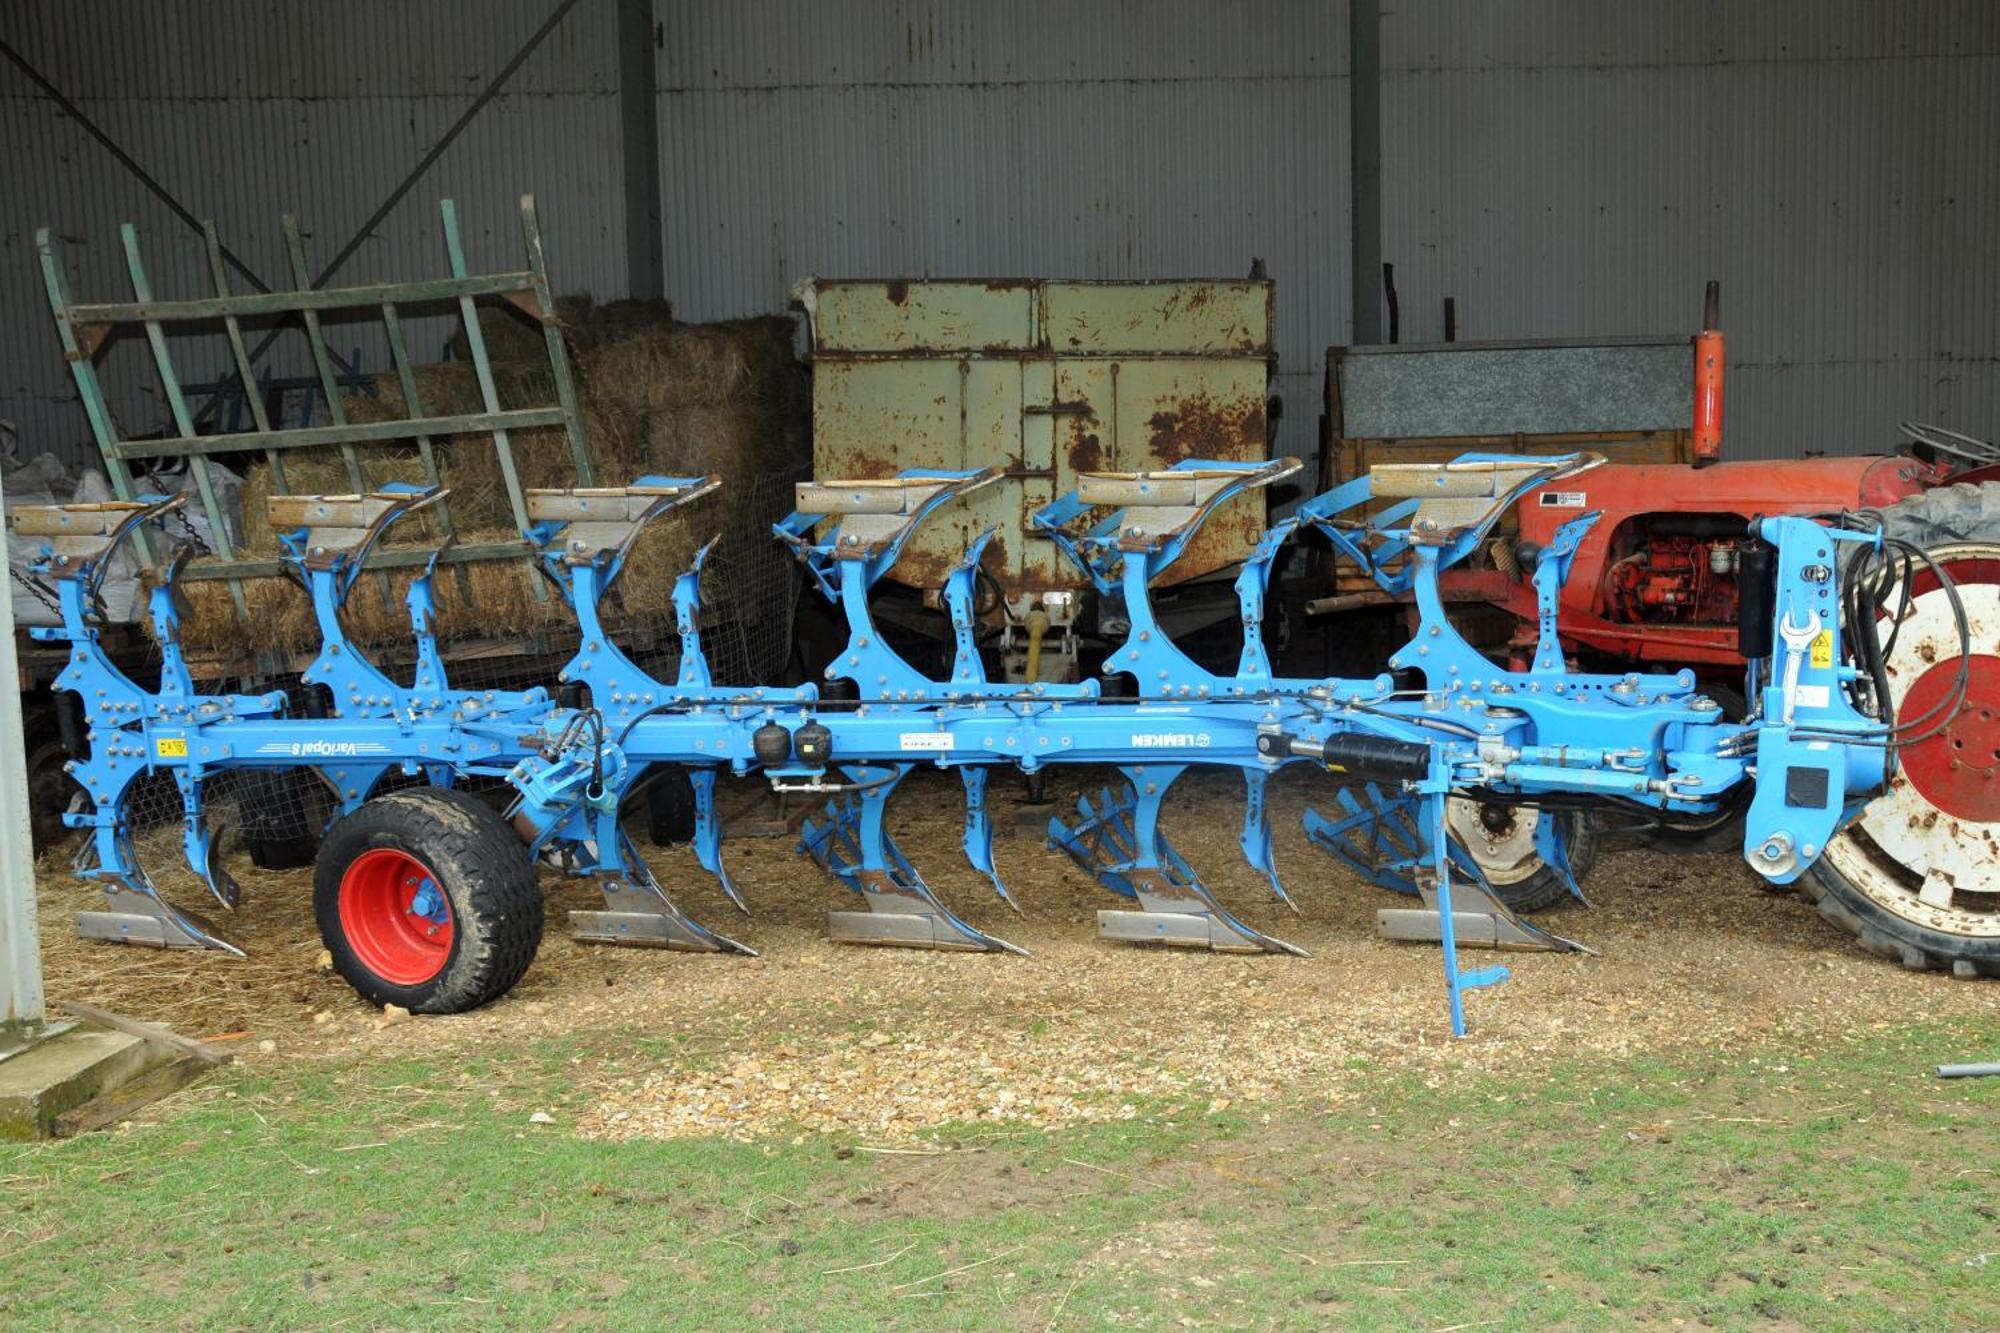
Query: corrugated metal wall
x=1571, y=168
x=250, y=110
x=1562, y=167
x=958, y=138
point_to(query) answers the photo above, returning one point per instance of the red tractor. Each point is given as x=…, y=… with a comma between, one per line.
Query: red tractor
x=1662, y=581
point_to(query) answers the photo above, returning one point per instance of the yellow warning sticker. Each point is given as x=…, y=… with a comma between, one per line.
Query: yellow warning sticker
x=1822, y=648
x=170, y=747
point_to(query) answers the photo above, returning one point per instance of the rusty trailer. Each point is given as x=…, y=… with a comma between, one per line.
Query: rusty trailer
x=1049, y=381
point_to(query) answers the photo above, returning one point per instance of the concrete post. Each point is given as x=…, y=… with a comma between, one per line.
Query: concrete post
x=20, y=935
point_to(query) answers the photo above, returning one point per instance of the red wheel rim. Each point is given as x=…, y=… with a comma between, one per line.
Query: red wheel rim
x=396, y=917
x=1958, y=769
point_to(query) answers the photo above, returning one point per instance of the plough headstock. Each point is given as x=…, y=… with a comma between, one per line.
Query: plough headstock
x=597, y=525
x=336, y=532
x=1152, y=514
x=1471, y=731
x=79, y=540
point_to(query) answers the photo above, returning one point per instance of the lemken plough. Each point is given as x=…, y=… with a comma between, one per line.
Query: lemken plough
x=430, y=898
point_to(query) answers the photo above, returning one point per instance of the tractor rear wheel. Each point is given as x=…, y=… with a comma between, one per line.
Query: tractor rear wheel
x=1501, y=840
x=427, y=899
x=1916, y=876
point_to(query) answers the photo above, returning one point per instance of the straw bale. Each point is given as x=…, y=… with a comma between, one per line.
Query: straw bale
x=655, y=396
x=658, y=367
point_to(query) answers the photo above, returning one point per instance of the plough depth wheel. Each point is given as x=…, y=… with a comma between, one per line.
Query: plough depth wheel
x=1916, y=877
x=1500, y=839
x=427, y=899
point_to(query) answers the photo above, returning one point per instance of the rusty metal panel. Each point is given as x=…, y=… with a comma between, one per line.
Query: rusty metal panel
x=1050, y=379
x=1169, y=317
x=923, y=317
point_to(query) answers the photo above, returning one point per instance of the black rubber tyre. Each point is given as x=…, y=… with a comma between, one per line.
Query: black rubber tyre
x=669, y=806
x=1544, y=889
x=482, y=869
x=284, y=811
x=1963, y=516
x=50, y=790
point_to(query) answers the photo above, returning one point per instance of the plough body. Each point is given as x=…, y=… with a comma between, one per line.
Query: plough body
x=1441, y=721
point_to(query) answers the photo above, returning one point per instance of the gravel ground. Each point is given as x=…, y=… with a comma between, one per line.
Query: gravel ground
x=886, y=1043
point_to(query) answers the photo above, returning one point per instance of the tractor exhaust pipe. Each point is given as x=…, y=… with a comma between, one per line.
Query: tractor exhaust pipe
x=1708, y=366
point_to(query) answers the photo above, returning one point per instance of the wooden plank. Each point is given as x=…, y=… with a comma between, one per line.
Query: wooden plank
x=152, y=1032
x=531, y=233
x=354, y=432
x=127, y=1100
x=309, y=298
x=401, y=558
x=245, y=376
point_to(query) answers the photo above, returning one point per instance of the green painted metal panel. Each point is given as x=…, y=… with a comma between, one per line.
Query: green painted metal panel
x=923, y=317
x=1048, y=379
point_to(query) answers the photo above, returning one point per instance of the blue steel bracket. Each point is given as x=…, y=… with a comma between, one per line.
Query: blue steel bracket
x=871, y=522
x=77, y=542
x=596, y=526
x=132, y=731
x=1815, y=752
x=335, y=533
x=1551, y=572
x=584, y=537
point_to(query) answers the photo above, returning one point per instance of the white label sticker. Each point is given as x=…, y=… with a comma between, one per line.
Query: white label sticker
x=322, y=749
x=926, y=740
x=1812, y=696
x=1562, y=499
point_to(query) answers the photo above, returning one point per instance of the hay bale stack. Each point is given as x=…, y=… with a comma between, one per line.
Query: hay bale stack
x=655, y=395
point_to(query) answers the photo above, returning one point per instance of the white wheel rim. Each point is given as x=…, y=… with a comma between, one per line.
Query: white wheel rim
x=1904, y=853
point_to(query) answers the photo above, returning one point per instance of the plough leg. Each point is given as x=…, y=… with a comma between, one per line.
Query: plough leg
x=1387, y=839
x=640, y=911
x=1256, y=837
x=979, y=831
x=851, y=842
x=1123, y=847
x=135, y=911
x=708, y=834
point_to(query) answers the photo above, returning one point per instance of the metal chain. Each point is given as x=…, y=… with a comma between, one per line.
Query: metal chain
x=40, y=592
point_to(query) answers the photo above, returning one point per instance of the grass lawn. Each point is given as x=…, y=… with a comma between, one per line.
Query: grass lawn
x=1850, y=1190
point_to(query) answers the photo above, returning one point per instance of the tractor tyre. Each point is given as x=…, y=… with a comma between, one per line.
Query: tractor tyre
x=284, y=811
x=50, y=791
x=1501, y=841
x=427, y=899
x=1916, y=876
x=670, y=807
